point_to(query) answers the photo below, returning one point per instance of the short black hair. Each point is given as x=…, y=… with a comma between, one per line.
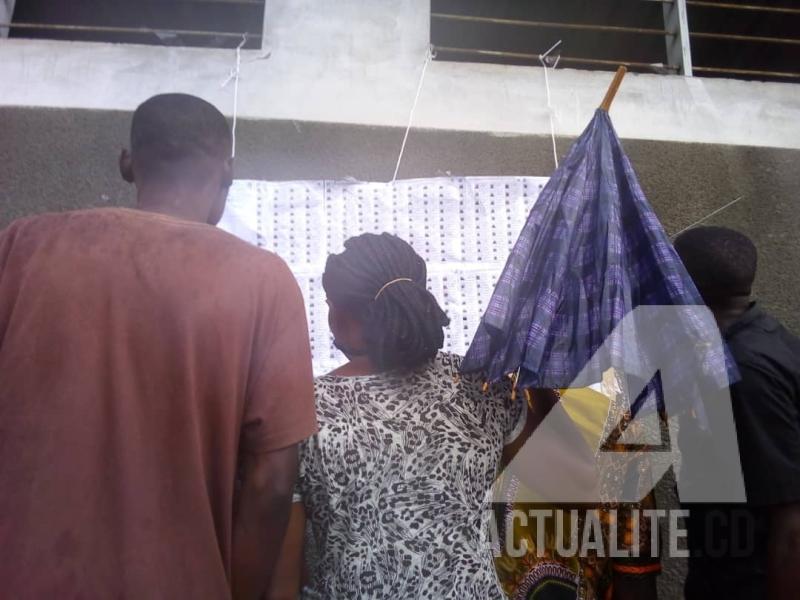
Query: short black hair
x=403, y=323
x=169, y=129
x=721, y=261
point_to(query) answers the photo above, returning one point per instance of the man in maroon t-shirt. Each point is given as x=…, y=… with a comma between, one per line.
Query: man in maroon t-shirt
x=147, y=359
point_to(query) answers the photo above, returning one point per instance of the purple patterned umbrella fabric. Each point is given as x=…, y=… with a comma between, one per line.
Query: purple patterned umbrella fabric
x=592, y=250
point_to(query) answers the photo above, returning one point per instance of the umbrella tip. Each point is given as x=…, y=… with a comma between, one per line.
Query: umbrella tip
x=612, y=89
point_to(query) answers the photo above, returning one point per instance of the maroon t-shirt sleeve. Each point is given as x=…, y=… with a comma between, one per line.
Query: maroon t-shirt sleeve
x=6, y=239
x=279, y=408
x=7, y=298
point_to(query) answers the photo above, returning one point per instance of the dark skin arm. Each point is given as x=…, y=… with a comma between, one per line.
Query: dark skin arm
x=261, y=519
x=288, y=577
x=542, y=404
x=784, y=552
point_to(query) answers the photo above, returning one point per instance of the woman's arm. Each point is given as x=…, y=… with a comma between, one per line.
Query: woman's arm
x=541, y=404
x=287, y=577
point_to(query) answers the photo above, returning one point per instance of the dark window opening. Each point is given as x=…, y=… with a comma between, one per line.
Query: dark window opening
x=744, y=39
x=723, y=43
x=594, y=35
x=196, y=23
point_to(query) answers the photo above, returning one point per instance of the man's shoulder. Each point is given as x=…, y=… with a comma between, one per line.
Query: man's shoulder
x=255, y=260
x=247, y=266
x=36, y=220
x=232, y=254
x=27, y=233
x=766, y=343
x=97, y=217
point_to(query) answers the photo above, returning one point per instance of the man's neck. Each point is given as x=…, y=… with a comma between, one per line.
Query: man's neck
x=358, y=365
x=727, y=313
x=178, y=202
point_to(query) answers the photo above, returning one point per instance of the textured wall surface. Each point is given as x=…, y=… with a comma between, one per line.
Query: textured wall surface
x=62, y=159
x=59, y=159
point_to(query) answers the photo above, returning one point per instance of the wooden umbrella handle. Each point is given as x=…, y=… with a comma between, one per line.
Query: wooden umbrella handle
x=612, y=89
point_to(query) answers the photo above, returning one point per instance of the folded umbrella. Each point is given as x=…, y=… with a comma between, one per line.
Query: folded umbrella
x=591, y=253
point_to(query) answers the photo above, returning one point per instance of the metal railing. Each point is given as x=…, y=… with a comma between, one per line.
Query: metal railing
x=574, y=60
x=730, y=6
x=132, y=30
x=749, y=72
x=744, y=38
x=681, y=63
x=550, y=25
x=256, y=2
x=676, y=32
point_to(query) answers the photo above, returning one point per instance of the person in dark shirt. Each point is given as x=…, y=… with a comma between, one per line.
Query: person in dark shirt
x=749, y=550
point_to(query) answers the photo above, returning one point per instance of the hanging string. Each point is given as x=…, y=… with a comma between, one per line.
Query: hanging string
x=236, y=93
x=543, y=60
x=707, y=217
x=234, y=76
x=429, y=54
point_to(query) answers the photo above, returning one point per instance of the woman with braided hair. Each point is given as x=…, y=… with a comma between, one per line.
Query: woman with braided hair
x=381, y=314
x=392, y=493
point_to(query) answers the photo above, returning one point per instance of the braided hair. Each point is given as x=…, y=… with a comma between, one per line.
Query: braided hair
x=402, y=322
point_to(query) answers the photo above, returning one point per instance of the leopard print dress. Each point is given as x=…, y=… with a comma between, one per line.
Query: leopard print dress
x=395, y=484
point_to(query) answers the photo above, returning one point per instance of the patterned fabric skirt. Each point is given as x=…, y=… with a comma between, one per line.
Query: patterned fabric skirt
x=546, y=573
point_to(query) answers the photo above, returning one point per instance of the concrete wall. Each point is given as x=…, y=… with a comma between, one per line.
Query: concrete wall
x=61, y=159
x=354, y=61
